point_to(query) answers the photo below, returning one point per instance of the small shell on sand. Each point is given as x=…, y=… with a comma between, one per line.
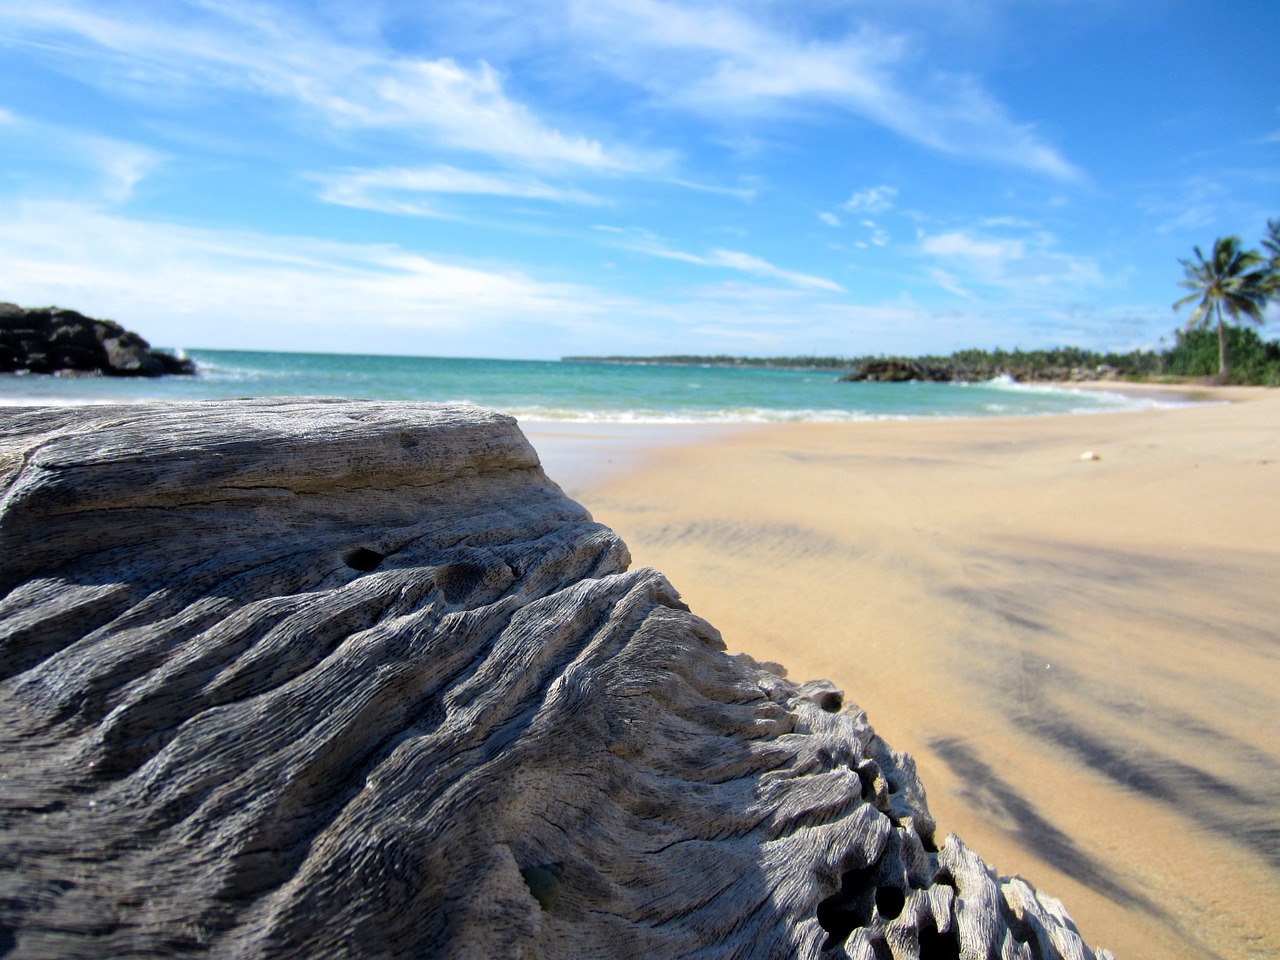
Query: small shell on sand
x=1090, y=455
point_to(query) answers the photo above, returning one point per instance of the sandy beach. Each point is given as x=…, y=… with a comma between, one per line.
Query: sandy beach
x=1081, y=653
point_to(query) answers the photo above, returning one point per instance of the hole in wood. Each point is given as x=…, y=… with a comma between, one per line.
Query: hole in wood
x=848, y=908
x=457, y=580
x=939, y=946
x=362, y=559
x=831, y=701
x=544, y=882
x=889, y=902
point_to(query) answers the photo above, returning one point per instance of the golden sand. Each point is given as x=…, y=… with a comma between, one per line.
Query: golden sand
x=1082, y=652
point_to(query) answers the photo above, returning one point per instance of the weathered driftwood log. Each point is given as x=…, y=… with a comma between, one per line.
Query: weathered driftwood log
x=349, y=679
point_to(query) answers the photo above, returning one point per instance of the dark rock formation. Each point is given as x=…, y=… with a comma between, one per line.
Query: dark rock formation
x=53, y=340
x=351, y=679
x=950, y=370
x=897, y=370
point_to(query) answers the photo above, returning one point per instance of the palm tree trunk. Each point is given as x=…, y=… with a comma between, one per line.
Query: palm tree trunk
x=1222, y=349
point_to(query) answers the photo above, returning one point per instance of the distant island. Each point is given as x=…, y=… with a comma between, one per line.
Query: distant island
x=52, y=340
x=1193, y=355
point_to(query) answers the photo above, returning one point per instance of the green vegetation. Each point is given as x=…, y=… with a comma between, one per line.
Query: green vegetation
x=1271, y=243
x=1194, y=354
x=1235, y=281
x=1250, y=359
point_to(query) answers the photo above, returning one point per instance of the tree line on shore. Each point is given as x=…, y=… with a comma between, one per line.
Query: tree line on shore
x=1193, y=354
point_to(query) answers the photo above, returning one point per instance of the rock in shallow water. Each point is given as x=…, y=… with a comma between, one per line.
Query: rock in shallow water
x=53, y=340
x=352, y=679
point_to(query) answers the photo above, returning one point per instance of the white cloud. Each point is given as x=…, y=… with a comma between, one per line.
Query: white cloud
x=716, y=61
x=197, y=287
x=949, y=283
x=1028, y=265
x=879, y=237
x=193, y=287
x=740, y=193
x=122, y=165
x=991, y=256
x=772, y=322
x=113, y=166
x=206, y=287
x=872, y=200
x=265, y=52
x=468, y=109
x=830, y=219
x=1196, y=203
x=646, y=242
x=735, y=260
x=392, y=189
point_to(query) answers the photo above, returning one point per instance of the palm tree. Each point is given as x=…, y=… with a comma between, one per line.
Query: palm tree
x=1231, y=280
x=1271, y=242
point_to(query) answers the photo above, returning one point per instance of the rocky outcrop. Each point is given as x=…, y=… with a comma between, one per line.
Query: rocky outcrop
x=948, y=370
x=894, y=370
x=353, y=679
x=53, y=340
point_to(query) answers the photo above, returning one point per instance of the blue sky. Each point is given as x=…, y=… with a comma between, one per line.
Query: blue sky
x=533, y=179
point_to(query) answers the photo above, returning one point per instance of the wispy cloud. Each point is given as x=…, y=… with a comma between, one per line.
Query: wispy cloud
x=830, y=219
x=740, y=193
x=210, y=287
x=716, y=60
x=113, y=167
x=468, y=109
x=872, y=200
x=992, y=255
x=949, y=283
x=1027, y=265
x=122, y=165
x=395, y=190
x=185, y=286
x=643, y=241
x=1195, y=203
x=879, y=237
x=264, y=51
x=193, y=287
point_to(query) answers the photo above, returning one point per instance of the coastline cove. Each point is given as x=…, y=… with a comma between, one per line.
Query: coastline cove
x=564, y=392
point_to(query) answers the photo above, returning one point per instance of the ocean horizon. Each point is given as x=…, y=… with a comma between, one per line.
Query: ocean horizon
x=575, y=392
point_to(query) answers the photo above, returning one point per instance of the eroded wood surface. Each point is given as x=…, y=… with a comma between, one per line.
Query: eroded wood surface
x=286, y=678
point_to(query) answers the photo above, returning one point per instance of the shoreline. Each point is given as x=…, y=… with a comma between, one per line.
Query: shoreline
x=581, y=456
x=1191, y=392
x=1079, y=654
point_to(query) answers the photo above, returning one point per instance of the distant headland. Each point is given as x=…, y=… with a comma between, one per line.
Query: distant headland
x=52, y=340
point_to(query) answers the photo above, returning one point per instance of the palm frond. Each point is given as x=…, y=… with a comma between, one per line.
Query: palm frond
x=1272, y=240
x=1231, y=281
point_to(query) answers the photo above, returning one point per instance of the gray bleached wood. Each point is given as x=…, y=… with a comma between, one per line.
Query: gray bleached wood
x=285, y=678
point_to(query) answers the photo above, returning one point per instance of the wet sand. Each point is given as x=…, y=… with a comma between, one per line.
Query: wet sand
x=1083, y=655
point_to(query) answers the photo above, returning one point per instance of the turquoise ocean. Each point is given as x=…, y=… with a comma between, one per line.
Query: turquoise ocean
x=561, y=392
